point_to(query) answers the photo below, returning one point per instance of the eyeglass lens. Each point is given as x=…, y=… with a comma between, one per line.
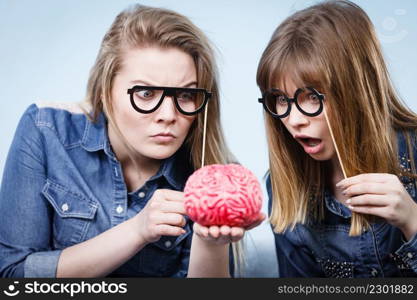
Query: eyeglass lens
x=278, y=102
x=187, y=99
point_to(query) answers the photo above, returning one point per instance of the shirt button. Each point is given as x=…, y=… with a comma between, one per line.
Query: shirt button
x=64, y=207
x=374, y=272
x=119, y=209
x=168, y=244
x=410, y=255
x=141, y=194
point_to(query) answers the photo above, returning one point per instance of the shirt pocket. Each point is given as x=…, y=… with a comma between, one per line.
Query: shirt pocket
x=334, y=250
x=165, y=257
x=73, y=214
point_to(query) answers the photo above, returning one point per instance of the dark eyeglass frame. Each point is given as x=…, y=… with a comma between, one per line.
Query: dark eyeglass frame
x=170, y=92
x=292, y=100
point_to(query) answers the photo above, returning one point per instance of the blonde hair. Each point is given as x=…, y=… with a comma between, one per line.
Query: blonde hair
x=141, y=26
x=331, y=46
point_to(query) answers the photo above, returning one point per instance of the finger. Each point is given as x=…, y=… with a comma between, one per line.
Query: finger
x=171, y=195
x=380, y=211
x=200, y=230
x=368, y=177
x=237, y=233
x=253, y=225
x=366, y=188
x=225, y=230
x=214, y=231
x=173, y=207
x=171, y=219
x=164, y=229
x=261, y=218
x=368, y=200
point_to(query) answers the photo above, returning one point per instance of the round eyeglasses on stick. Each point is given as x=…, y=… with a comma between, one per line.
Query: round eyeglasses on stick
x=188, y=101
x=307, y=100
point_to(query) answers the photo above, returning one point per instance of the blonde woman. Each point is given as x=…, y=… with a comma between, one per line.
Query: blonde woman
x=331, y=113
x=94, y=189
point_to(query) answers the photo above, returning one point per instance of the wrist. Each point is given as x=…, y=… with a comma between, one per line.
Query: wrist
x=137, y=233
x=208, y=259
x=210, y=244
x=410, y=228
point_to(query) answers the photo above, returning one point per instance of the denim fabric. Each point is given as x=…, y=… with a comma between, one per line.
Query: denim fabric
x=325, y=249
x=63, y=185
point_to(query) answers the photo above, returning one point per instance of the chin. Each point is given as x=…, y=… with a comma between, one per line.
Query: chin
x=321, y=156
x=161, y=152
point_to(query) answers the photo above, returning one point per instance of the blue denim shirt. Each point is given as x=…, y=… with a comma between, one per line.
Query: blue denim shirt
x=325, y=249
x=63, y=185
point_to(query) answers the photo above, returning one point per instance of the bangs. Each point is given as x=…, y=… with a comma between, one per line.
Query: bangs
x=299, y=66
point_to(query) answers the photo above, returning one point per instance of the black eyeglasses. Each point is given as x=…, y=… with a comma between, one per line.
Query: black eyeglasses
x=188, y=101
x=278, y=104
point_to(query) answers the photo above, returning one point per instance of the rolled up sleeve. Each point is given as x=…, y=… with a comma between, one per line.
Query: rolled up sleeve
x=42, y=264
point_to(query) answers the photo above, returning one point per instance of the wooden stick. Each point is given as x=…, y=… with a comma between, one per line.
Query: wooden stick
x=204, y=136
x=357, y=222
x=334, y=142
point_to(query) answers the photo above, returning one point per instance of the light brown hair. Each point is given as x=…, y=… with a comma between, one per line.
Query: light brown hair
x=333, y=47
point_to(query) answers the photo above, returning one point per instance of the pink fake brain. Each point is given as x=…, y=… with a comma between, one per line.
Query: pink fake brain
x=223, y=195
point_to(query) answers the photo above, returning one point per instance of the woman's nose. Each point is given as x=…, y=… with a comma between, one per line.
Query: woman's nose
x=296, y=118
x=167, y=111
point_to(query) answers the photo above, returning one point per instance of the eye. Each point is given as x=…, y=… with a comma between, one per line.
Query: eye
x=281, y=100
x=145, y=94
x=186, y=96
x=312, y=97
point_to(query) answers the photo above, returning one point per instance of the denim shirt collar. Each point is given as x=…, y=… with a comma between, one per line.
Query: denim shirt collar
x=95, y=134
x=95, y=138
x=333, y=205
x=171, y=172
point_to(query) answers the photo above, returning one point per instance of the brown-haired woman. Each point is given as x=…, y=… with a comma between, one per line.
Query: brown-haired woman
x=93, y=190
x=331, y=113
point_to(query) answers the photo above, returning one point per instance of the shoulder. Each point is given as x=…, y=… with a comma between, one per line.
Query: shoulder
x=268, y=184
x=67, y=121
x=60, y=114
x=267, y=178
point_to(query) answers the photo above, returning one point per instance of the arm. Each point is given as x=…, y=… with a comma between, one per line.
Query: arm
x=383, y=195
x=210, y=258
x=210, y=249
x=102, y=254
x=25, y=226
x=27, y=220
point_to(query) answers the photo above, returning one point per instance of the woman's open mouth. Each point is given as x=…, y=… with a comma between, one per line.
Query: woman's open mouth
x=310, y=145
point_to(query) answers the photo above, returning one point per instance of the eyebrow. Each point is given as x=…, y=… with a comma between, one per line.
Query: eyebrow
x=150, y=84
